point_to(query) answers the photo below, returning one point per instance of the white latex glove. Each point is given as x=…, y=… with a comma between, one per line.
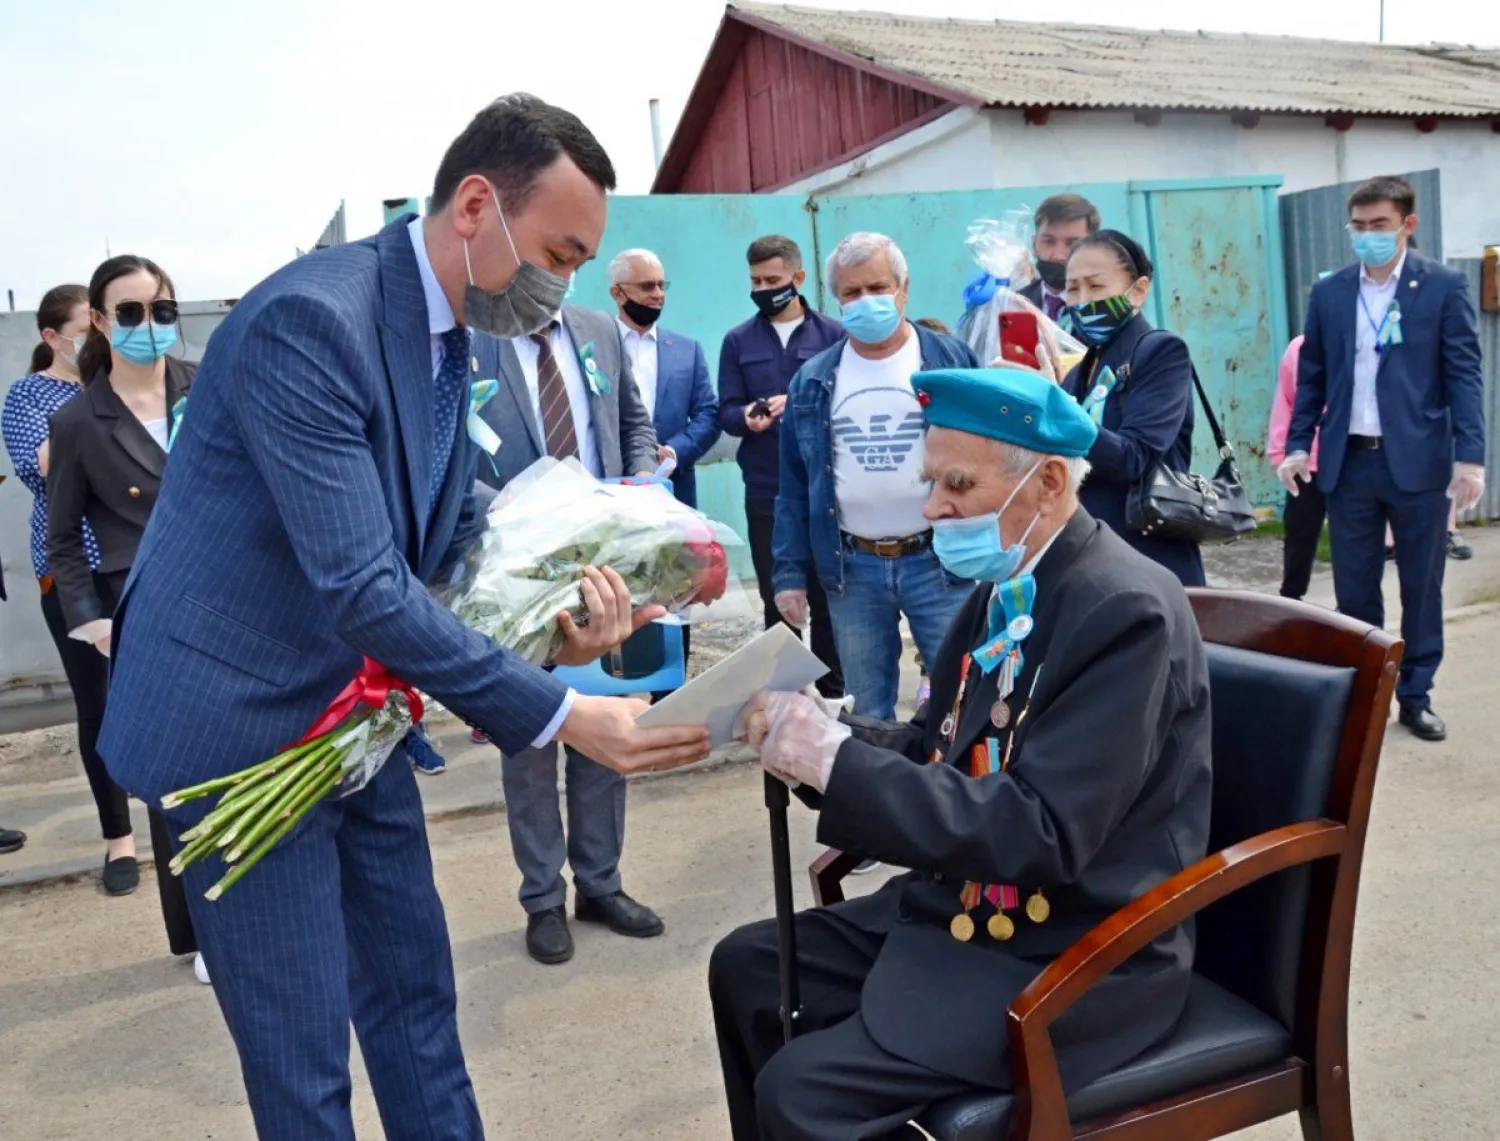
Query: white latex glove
x=1467, y=487
x=797, y=736
x=1293, y=468
x=793, y=606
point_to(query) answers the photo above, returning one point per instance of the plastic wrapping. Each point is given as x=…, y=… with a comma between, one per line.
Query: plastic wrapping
x=1000, y=325
x=555, y=519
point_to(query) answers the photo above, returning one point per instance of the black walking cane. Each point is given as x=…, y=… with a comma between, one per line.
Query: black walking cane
x=777, y=799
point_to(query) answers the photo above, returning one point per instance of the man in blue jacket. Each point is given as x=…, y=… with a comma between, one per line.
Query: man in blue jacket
x=1389, y=374
x=849, y=515
x=321, y=477
x=670, y=369
x=756, y=363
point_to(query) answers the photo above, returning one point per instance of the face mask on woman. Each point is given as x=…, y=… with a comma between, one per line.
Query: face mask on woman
x=1099, y=322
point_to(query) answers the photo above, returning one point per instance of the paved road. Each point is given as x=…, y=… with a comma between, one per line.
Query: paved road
x=103, y=1035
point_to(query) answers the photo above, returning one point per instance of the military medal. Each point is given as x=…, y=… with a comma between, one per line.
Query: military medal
x=1037, y=908
x=962, y=927
x=1000, y=927
x=1000, y=715
x=948, y=726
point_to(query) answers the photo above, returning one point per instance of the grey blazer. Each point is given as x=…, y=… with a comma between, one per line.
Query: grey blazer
x=626, y=439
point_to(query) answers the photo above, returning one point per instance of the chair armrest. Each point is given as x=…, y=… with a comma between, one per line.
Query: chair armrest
x=1041, y=1112
x=827, y=874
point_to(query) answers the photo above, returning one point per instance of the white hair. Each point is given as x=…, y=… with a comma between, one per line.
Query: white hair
x=859, y=248
x=619, y=268
x=1016, y=460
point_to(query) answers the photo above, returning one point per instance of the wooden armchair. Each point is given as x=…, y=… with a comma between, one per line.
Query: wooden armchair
x=1301, y=697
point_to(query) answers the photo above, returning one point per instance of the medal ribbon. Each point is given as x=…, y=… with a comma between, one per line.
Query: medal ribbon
x=1010, y=623
x=1104, y=383
x=1388, y=332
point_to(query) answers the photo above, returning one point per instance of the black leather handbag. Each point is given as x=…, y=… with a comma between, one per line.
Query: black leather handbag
x=1190, y=508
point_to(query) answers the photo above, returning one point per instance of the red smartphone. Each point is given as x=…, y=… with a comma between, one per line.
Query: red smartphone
x=1019, y=337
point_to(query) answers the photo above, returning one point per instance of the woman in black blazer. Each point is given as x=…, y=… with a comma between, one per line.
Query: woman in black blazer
x=1137, y=384
x=108, y=452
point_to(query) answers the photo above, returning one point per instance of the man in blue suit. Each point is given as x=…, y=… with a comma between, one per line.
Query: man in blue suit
x=322, y=476
x=670, y=370
x=1390, y=374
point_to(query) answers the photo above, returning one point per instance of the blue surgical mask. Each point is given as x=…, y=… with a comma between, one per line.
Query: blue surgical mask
x=872, y=319
x=972, y=548
x=1375, y=249
x=143, y=344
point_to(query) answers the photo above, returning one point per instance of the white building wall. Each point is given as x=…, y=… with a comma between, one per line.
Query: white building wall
x=969, y=150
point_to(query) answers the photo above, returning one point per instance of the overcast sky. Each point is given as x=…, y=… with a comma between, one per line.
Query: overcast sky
x=217, y=136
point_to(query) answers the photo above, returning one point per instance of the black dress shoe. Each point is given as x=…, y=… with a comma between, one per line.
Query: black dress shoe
x=121, y=876
x=623, y=915
x=1457, y=548
x=11, y=841
x=548, y=939
x=1424, y=724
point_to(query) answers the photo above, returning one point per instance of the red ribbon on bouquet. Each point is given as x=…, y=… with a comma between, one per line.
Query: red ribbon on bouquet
x=371, y=686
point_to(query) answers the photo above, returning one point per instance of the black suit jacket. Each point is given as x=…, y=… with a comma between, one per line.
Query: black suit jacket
x=1106, y=796
x=105, y=468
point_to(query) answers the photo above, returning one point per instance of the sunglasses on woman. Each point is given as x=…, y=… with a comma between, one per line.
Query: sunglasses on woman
x=129, y=314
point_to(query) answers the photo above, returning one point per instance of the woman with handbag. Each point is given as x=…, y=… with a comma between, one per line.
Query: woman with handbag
x=108, y=450
x=1136, y=382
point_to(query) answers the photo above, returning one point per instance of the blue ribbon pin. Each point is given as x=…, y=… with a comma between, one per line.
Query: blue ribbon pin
x=177, y=410
x=599, y=384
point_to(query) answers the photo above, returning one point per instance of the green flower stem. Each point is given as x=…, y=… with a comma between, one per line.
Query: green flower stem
x=288, y=795
x=256, y=811
x=331, y=778
x=192, y=853
x=242, y=799
x=243, y=776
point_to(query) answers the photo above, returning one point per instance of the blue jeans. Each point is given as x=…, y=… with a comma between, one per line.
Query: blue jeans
x=867, y=615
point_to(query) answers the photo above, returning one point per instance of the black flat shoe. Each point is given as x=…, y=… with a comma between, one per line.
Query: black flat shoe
x=621, y=914
x=122, y=876
x=11, y=841
x=548, y=939
x=1424, y=724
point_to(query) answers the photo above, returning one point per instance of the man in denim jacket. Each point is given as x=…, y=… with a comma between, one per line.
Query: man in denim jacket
x=851, y=496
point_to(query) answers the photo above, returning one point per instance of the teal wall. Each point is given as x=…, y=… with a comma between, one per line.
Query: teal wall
x=1216, y=244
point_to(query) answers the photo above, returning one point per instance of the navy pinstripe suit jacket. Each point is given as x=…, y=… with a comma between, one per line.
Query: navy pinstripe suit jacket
x=293, y=535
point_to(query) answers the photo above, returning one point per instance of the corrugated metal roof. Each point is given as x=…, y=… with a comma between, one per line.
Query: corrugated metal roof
x=1014, y=64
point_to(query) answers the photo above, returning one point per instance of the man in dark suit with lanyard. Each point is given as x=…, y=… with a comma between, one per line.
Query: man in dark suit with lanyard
x=1062, y=770
x=1390, y=373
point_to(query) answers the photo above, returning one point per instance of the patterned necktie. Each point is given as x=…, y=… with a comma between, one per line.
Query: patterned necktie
x=448, y=394
x=552, y=394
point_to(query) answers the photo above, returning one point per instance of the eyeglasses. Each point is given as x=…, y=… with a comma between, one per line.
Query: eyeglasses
x=650, y=286
x=1379, y=226
x=129, y=314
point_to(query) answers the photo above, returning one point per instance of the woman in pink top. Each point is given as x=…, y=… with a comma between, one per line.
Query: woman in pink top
x=1303, y=514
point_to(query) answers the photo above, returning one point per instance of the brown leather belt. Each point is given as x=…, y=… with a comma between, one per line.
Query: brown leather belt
x=891, y=548
x=1366, y=443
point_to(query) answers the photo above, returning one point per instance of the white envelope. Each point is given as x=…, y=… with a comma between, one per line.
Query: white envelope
x=777, y=660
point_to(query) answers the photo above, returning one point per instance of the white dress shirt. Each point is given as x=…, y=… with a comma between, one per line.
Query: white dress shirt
x=641, y=348
x=566, y=357
x=440, y=319
x=1369, y=311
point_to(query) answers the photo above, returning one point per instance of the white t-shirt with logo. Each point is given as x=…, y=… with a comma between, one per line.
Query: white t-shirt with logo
x=878, y=445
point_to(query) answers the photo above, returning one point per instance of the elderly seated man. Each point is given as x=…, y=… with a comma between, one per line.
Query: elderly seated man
x=1063, y=770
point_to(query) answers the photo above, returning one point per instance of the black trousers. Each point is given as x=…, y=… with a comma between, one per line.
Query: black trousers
x=833, y=1081
x=1303, y=519
x=87, y=671
x=760, y=514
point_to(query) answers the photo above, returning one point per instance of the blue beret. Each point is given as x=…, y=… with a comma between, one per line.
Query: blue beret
x=1011, y=404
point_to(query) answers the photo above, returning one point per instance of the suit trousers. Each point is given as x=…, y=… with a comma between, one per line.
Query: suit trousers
x=339, y=923
x=595, y=834
x=760, y=517
x=1365, y=499
x=1302, y=519
x=833, y=1081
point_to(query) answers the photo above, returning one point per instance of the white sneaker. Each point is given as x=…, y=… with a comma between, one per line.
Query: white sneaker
x=200, y=970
